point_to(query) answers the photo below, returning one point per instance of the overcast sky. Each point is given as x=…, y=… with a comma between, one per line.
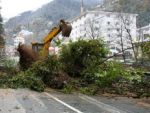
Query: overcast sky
x=12, y=8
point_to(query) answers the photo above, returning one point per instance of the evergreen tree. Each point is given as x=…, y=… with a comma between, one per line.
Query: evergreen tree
x=2, y=42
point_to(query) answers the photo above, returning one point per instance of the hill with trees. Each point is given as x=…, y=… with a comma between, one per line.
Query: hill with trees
x=140, y=7
x=1, y=32
x=41, y=20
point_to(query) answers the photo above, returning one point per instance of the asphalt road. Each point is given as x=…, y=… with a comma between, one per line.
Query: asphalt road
x=26, y=101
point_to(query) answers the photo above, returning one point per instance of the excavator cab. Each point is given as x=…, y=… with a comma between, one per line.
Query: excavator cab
x=37, y=46
x=63, y=27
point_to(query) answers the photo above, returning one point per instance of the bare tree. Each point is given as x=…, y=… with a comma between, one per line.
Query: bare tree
x=126, y=38
x=121, y=43
x=93, y=29
x=126, y=20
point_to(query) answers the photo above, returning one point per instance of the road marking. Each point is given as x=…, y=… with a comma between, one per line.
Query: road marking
x=60, y=101
x=33, y=96
x=101, y=105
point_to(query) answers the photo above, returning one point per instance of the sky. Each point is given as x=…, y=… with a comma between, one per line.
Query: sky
x=11, y=8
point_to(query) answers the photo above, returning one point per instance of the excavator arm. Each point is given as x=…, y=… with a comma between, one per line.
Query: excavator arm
x=63, y=27
x=47, y=40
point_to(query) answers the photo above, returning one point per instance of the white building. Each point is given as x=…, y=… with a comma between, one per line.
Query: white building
x=143, y=33
x=24, y=36
x=19, y=39
x=111, y=26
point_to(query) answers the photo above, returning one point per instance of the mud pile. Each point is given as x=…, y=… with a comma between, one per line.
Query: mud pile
x=27, y=56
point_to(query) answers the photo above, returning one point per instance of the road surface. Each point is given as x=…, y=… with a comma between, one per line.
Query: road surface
x=26, y=101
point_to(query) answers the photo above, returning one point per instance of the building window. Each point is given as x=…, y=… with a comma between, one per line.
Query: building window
x=96, y=22
x=128, y=23
x=108, y=42
x=118, y=42
x=119, y=35
x=113, y=48
x=96, y=28
x=128, y=30
x=96, y=14
x=108, y=29
x=118, y=29
x=117, y=23
x=128, y=42
x=108, y=15
x=108, y=23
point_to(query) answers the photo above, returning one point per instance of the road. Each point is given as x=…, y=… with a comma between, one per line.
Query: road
x=26, y=101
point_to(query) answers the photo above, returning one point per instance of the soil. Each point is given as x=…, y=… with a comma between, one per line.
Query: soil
x=27, y=56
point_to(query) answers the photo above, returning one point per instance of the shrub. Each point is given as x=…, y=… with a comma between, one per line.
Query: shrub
x=49, y=70
x=68, y=89
x=91, y=90
x=46, y=67
x=22, y=80
x=112, y=72
x=10, y=67
x=82, y=57
x=109, y=72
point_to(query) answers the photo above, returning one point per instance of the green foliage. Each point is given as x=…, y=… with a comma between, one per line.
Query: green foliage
x=81, y=57
x=22, y=80
x=91, y=90
x=68, y=89
x=50, y=71
x=10, y=66
x=81, y=60
x=146, y=49
x=47, y=72
x=2, y=41
x=1, y=25
x=26, y=80
x=113, y=72
x=110, y=71
x=47, y=67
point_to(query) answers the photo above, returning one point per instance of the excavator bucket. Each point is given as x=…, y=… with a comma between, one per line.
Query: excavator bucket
x=66, y=28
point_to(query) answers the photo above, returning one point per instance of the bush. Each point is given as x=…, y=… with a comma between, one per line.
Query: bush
x=82, y=58
x=10, y=67
x=47, y=71
x=50, y=72
x=109, y=72
x=141, y=88
x=90, y=90
x=112, y=72
x=22, y=80
x=47, y=67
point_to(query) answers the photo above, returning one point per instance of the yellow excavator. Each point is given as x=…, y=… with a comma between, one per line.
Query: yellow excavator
x=28, y=55
x=63, y=27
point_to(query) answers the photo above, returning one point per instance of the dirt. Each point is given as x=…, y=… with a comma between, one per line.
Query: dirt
x=58, y=81
x=27, y=56
x=141, y=102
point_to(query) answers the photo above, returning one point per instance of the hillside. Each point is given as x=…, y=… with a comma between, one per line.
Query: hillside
x=140, y=7
x=41, y=20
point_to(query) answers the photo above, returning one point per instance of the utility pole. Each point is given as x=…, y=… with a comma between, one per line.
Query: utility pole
x=82, y=7
x=0, y=6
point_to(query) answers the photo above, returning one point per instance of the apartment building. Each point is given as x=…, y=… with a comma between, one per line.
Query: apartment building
x=143, y=33
x=112, y=27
